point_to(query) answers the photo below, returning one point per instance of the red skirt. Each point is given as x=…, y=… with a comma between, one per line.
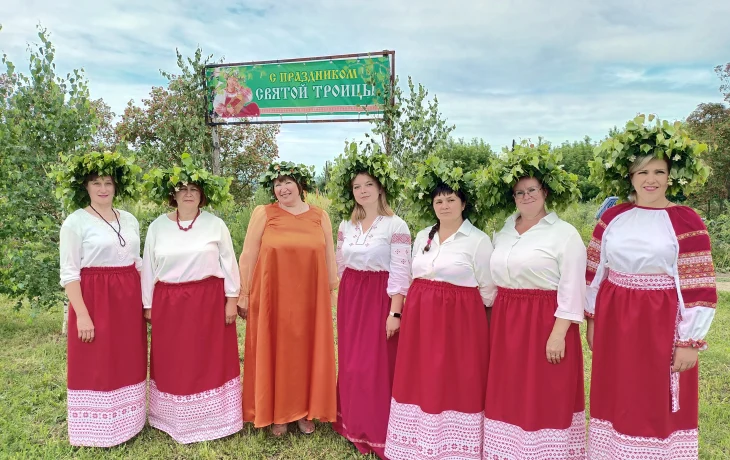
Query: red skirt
x=366, y=360
x=441, y=374
x=107, y=377
x=534, y=409
x=195, y=385
x=639, y=409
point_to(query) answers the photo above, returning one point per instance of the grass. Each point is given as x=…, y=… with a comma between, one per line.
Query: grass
x=33, y=404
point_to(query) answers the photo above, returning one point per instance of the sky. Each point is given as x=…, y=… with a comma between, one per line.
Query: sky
x=502, y=70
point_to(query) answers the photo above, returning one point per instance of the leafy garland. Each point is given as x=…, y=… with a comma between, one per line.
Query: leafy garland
x=614, y=157
x=433, y=172
x=163, y=183
x=71, y=172
x=303, y=174
x=352, y=163
x=495, y=183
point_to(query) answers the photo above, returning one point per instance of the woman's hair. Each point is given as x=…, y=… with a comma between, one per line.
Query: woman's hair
x=358, y=212
x=639, y=164
x=93, y=176
x=203, y=199
x=282, y=179
x=443, y=189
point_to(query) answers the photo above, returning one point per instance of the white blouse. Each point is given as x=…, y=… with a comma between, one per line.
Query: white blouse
x=385, y=246
x=174, y=256
x=462, y=259
x=643, y=241
x=550, y=255
x=88, y=241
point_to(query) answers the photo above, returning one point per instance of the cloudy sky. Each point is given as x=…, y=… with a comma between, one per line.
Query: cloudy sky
x=501, y=69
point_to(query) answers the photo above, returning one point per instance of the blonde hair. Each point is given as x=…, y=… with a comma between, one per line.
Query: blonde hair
x=358, y=212
x=637, y=165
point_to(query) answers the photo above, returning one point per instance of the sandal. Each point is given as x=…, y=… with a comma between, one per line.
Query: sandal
x=305, y=426
x=278, y=429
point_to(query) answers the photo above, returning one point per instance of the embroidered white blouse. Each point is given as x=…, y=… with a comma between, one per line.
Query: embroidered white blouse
x=87, y=241
x=643, y=241
x=175, y=256
x=550, y=255
x=462, y=259
x=385, y=246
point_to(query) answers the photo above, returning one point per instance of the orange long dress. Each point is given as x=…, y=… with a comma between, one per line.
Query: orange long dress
x=289, y=361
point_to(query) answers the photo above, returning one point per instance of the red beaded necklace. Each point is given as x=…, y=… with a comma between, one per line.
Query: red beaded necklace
x=185, y=229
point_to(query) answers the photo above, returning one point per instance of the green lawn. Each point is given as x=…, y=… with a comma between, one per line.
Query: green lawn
x=33, y=404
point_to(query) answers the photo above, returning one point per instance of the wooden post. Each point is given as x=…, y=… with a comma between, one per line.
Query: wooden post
x=216, y=151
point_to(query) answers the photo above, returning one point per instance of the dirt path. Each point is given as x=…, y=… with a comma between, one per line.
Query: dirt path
x=723, y=286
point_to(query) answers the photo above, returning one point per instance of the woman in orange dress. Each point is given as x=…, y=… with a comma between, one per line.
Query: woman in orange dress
x=288, y=275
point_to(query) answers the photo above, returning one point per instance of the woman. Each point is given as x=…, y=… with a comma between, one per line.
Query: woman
x=190, y=286
x=443, y=356
x=288, y=274
x=534, y=401
x=107, y=335
x=373, y=260
x=651, y=299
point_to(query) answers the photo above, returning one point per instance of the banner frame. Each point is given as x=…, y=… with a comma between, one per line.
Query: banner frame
x=389, y=53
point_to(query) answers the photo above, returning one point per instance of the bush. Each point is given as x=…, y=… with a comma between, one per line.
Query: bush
x=719, y=229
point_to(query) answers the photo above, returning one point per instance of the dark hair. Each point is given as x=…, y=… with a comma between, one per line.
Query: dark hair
x=93, y=176
x=300, y=187
x=443, y=189
x=173, y=202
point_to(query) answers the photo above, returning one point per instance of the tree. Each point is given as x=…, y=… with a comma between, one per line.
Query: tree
x=408, y=129
x=723, y=71
x=104, y=137
x=41, y=115
x=172, y=121
x=710, y=123
x=576, y=156
x=471, y=155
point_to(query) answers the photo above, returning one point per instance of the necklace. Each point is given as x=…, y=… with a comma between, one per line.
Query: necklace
x=122, y=241
x=185, y=229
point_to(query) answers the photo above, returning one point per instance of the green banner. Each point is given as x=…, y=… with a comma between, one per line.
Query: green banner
x=298, y=91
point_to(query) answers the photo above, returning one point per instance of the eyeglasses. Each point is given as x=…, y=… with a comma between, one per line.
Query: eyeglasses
x=532, y=191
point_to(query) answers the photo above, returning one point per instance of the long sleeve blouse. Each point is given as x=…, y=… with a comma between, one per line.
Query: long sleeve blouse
x=550, y=255
x=87, y=241
x=385, y=246
x=174, y=256
x=462, y=259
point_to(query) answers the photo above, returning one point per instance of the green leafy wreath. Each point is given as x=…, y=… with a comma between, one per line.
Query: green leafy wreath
x=73, y=169
x=433, y=172
x=163, y=183
x=352, y=163
x=495, y=183
x=614, y=157
x=303, y=174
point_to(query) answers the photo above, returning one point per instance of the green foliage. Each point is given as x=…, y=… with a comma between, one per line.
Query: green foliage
x=719, y=229
x=349, y=165
x=41, y=115
x=495, y=183
x=409, y=131
x=163, y=183
x=301, y=173
x=614, y=157
x=472, y=155
x=70, y=175
x=432, y=173
x=576, y=156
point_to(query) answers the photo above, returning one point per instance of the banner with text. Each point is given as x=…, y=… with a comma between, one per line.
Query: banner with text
x=298, y=91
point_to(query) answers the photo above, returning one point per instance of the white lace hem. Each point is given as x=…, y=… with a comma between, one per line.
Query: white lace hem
x=605, y=443
x=105, y=418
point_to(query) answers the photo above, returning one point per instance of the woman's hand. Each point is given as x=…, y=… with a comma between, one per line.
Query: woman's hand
x=555, y=348
x=589, y=333
x=148, y=315
x=243, y=307
x=392, y=326
x=231, y=309
x=85, y=327
x=685, y=358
